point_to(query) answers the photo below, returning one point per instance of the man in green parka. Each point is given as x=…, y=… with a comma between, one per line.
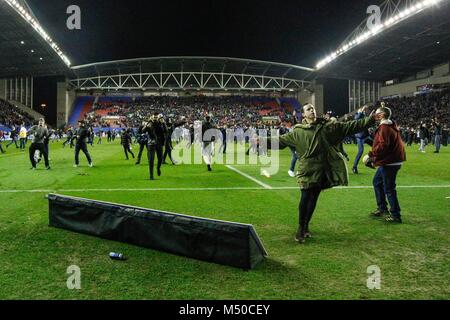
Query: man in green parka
x=321, y=164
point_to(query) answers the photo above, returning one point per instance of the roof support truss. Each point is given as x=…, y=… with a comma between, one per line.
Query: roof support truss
x=187, y=80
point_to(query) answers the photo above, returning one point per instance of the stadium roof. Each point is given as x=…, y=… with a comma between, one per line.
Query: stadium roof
x=412, y=45
x=190, y=73
x=25, y=47
x=193, y=64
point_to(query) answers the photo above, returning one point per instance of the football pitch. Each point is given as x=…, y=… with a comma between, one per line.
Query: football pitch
x=413, y=257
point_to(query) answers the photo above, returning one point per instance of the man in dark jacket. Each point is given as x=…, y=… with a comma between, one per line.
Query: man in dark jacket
x=155, y=144
x=125, y=141
x=39, y=133
x=208, y=141
x=142, y=139
x=168, y=147
x=69, y=139
x=82, y=134
x=388, y=154
x=321, y=164
x=14, y=136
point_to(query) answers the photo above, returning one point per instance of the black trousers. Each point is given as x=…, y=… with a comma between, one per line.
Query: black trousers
x=68, y=140
x=41, y=148
x=151, y=151
x=126, y=149
x=141, y=150
x=168, y=152
x=82, y=147
x=307, y=206
x=13, y=141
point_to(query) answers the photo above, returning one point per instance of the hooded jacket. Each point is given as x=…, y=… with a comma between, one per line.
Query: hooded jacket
x=321, y=163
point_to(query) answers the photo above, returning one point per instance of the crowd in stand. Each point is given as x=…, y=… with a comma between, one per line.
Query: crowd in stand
x=11, y=116
x=233, y=111
x=418, y=115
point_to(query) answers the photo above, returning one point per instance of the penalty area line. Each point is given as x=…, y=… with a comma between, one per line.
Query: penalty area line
x=262, y=184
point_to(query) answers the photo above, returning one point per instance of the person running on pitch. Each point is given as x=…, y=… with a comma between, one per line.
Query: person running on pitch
x=142, y=139
x=125, y=141
x=321, y=164
x=39, y=132
x=14, y=137
x=207, y=142
x=171, y=126
x=82, y=134
x=69, y=137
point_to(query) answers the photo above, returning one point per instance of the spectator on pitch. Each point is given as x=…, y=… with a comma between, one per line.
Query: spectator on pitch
x=47, y=140
x=125, y=141
x=423, y=136
x=69, y=138
x=168, y=147
x=360, y=139
x=154, y=146
x=91, y=136
x=39, y=133
x=14, y=136
x=445, y=136
x=317, y=144
x=23, y=137
x=411, y=136
x=388, y=154
x=437, y=135
x=142, y=139
x=294, y=155
x=109, y=135
x=207, y=141
x=100, y=136
x=82, y=134
x=2, y=137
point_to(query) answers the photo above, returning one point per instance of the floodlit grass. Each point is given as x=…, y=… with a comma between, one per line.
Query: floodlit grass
x=413, y=257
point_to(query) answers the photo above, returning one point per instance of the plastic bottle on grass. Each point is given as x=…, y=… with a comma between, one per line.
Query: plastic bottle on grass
x=117, y=256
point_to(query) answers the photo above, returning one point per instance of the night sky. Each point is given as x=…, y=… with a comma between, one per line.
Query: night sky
x=295, y=32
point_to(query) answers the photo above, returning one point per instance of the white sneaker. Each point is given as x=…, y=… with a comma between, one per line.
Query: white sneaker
x=291, y=174
x=75, y=166
x=91, y=165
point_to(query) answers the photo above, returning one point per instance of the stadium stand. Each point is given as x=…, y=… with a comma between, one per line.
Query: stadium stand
x=234, y=111
x=411, y=111
x=11, y=116
x=82, y=106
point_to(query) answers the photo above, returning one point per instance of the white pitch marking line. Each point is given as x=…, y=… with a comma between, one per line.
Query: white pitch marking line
x=203, y=189
x=262, y=184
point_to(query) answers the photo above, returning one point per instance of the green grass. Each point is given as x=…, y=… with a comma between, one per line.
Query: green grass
x=413, y=257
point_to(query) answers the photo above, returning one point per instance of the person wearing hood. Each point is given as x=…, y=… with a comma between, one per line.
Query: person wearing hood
x=321, y=163
x=388, y=154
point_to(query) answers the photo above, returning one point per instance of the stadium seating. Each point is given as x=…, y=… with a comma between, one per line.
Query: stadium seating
x=82, y=106
x=11, y=116
x=232, y=111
